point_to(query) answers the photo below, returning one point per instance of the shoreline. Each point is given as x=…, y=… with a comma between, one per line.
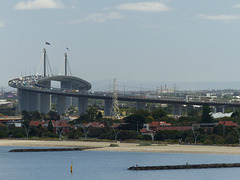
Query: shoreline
x=126, y=147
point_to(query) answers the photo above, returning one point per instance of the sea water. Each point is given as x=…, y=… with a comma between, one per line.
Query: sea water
x=100, y=165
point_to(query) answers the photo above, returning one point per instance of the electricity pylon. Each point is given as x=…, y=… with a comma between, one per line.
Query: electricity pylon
x=115, y=109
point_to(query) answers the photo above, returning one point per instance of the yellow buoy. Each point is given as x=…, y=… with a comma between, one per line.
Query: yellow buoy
x=71, y=165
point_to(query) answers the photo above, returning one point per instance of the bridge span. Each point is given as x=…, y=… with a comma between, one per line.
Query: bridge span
x=35, y=92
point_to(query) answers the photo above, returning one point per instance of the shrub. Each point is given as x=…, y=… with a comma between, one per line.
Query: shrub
x=75, y=134
x=139, y=136
x=145, y=144
x=114, y=145
x=49, y=134
x=221, y=141
x=3, y=132
x=208, y=142
x=125, y=134
x=18, y=133
x=231, y=139
x=147, y=137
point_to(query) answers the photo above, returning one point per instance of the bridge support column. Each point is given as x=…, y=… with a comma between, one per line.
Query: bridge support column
x=177, y=110
x=67, y=86
x=45, y=100
x=214, y=110
x=223, y=109
x=108, y=107
x=82, y=105
x=45, y=104
x=75, y=99
x=61, y=104
x=141, y=105
x=22, y=100
x=33, y=104
x=234, y=109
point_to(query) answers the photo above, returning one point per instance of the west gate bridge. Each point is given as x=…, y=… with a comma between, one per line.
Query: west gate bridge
x=35, y=93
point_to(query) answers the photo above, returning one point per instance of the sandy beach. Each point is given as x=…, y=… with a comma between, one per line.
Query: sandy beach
x=128, y=147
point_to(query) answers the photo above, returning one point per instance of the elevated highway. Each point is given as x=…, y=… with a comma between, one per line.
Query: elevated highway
x=34, y=94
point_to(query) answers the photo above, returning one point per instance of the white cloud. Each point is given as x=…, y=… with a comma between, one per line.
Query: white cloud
x=98, y=17
x=39, y=4
x=221, y=17
x=144, y=6
x=2, y=24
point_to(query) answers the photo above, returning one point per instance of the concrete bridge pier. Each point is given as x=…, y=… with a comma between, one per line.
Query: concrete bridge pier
x=23, y=101
x=177, y=110
x=140, y=105
x=45, y=100
x=223, y=109
x=220, y=109
x=61, y=104
x=67, y=87
x=214, y=110
x=45, y=103
x=75, y=99
x=33, y=104
x=108, y=107
x=82, y=105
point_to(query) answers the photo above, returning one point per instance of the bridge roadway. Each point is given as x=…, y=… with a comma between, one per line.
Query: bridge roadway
x=30, y=83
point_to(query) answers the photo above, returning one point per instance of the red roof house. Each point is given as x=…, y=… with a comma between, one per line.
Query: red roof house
x=228, y=123
x=94, y=125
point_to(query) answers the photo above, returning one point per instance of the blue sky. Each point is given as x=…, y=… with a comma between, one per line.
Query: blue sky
x=133, y=41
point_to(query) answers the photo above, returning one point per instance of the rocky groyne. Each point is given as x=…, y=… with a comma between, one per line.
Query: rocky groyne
x=50, y=149
x=187, y=166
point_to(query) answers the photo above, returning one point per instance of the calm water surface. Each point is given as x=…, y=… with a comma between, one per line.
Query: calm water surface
x=90, y=165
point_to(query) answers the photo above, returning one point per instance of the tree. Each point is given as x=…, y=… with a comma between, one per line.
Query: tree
x=125, y=134
x=3, y=132
x=135, y=122
x=235, y=114
x=195, y=134
x=193, y=113
x=158, y=114
x=90, y=114
x=149, y=119
x=99, y=115
x=27, y=130
x=53, y=115
x=18, y=133
x=50, y=126
x=33, y=131
x=206, y=114
x=168, y=134
x=35, y=115
x=142, y=112
x=25, y=115
x=185, y=121
x=75, y=134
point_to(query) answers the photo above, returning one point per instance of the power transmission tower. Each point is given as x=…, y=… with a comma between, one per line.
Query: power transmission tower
x=115, y=109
